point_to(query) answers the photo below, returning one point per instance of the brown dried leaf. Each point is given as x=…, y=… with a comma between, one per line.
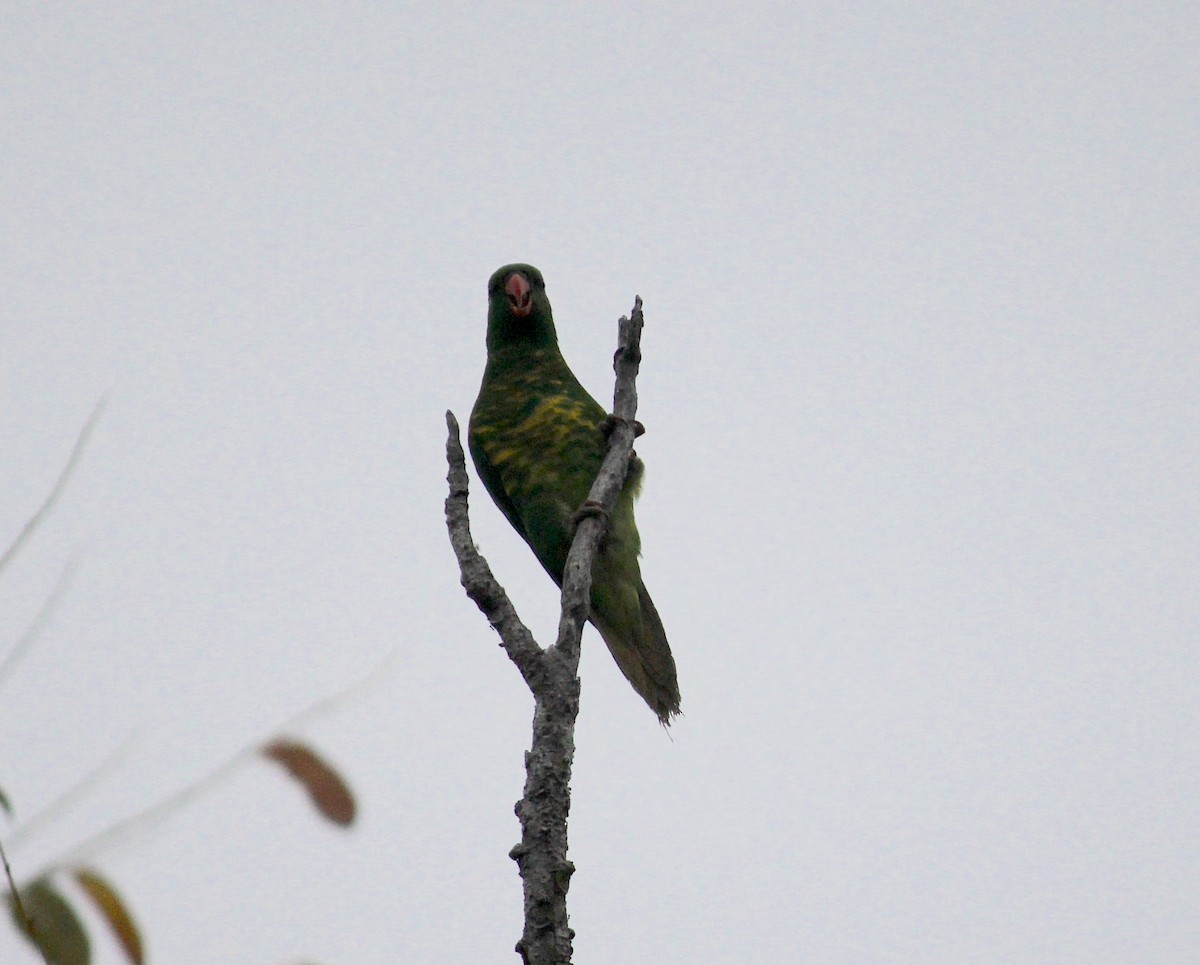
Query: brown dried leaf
x=329, y=792
x=56, y=930
x=111, y=905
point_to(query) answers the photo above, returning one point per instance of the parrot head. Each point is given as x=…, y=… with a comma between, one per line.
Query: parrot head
x=518, y=309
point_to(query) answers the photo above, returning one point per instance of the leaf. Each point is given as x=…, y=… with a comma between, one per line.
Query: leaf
x=330, y=794
x=105, y=897
x=57, y=931
x=4, y=803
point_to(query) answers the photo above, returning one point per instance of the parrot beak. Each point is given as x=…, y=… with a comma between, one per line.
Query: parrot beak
x=520, y=294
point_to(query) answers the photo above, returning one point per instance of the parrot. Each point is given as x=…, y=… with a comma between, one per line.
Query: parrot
x=537, y=439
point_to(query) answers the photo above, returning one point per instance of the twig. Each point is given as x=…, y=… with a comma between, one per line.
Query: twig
x=160, y=811
x=552, y=674
x=77, y=792
x=30, y=927
x=60, y=484
x=33, y=631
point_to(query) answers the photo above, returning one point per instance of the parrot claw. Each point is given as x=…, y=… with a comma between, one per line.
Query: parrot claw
x=612, y=421
x=590, y=508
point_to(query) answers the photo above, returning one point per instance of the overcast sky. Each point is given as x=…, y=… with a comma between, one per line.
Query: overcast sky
x=921, y=511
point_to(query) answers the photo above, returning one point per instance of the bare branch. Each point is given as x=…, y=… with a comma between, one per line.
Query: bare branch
x=577, y=574
x=475, y=574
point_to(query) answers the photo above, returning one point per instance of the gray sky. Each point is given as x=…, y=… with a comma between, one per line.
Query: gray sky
x=921, y=513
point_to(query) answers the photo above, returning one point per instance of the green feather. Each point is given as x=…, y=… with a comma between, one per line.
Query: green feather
x=537, y=441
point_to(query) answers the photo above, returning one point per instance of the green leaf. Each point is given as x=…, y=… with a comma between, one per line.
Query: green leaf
x=51, y=924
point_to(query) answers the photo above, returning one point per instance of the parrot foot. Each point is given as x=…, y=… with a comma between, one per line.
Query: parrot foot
x=590, y=508
x=612, y=421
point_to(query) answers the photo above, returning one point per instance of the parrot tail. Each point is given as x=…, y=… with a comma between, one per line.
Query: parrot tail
x=640, y=649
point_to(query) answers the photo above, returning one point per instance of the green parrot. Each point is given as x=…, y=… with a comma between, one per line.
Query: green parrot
x=537, y=439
